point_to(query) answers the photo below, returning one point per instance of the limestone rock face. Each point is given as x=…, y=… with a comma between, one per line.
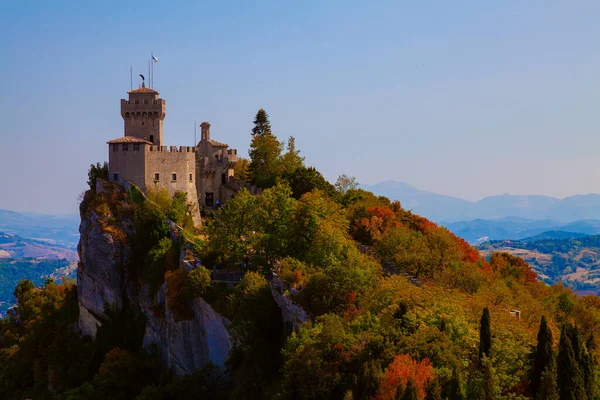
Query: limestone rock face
x=102, y=279
x=291, y=312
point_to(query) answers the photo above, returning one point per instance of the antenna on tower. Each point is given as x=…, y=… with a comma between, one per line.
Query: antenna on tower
x=130, y=77
x=195, y=133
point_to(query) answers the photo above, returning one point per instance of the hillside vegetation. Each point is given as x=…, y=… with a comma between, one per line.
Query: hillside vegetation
x=370, y=335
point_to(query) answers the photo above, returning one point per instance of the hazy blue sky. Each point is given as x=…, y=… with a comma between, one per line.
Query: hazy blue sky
x=461, y=98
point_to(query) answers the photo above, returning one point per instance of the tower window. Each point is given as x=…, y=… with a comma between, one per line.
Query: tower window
x=173, y=177
x=156, y=176
x=190, y=177
x=145, y=101
x=152, y=138
x=115, y=147
x=136, y=147
x=125, y=147
x=223, y=179
x=116, y=177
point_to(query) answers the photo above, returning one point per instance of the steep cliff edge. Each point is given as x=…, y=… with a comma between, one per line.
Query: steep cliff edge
x=118, y=274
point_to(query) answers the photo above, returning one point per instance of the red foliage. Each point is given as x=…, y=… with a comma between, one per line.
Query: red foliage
x=378, y=221
x=423, y=225
x=402, y=369
x=470, y=254
x=508, y=265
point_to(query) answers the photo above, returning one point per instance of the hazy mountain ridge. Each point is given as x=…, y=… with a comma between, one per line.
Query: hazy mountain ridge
x=452, y=209
x=56, y=230
x=13, y=246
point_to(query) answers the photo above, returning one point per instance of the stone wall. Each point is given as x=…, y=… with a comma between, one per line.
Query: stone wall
x=128, y=164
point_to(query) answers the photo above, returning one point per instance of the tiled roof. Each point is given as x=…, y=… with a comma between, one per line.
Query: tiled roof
x=128, y=139
x=143, y=90
x=217, y=144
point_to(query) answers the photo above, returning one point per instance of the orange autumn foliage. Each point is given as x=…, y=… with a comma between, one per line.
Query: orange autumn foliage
x=378, y=221
x=402, y=369
x=508, y=265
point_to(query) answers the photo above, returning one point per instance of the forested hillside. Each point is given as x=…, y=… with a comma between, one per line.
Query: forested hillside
x=471, y=329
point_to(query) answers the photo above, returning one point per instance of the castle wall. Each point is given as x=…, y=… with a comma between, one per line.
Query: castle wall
x=127, y=164
x=166, y=161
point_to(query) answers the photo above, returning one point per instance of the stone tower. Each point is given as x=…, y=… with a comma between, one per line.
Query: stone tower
x=143, y=114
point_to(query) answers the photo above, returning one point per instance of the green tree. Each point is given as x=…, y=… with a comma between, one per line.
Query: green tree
x=543, y=356
x=432, y=390
x=589, y=367
x=291, y=160
x=411, y=392
x=231, y=234
x=262, y=125
x=571, y=383
x=344, y=183
x=485, y=334
x=95, y=172
x=274, y=221
x=548, y=389
x=306, y=179
x=196, y=283
x=265, y=152
x=241, y=170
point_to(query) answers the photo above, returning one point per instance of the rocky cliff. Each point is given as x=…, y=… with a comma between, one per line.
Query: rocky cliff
x=105, y=279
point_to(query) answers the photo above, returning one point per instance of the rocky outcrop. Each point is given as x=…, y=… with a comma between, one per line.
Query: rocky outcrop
x=103, y=280
x=291, y=312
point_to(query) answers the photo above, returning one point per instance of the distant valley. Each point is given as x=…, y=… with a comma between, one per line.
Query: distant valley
x=35, y=247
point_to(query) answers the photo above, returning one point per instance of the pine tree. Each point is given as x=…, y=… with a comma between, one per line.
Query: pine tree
x=543, y=356
x=571, y=382
x=262, y=126
x=485, y=334
x=411, y=392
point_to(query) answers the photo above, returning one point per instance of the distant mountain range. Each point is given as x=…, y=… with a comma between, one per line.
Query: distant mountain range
x=55, y=230
x=441, y=208
x=13, y=246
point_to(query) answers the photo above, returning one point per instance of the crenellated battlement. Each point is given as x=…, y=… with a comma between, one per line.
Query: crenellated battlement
x=172, y=149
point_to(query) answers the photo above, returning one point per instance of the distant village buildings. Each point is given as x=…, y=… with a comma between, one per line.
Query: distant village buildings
x=204, y=171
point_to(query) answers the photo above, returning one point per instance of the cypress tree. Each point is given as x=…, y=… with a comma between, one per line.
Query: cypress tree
x=399, y=391
x=411, y=392
x=485, y=334
x=456, y=387
x=543, y=356
x=432, y=390
x=548, y=389
x=571, y=384
x=589, y=366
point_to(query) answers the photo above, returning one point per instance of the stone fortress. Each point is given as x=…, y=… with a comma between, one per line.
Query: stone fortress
x=204, y=171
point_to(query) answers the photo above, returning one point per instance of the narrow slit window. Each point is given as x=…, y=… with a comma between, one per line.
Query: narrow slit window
x=116, y=177
x=173, y=177
x=125, y=147
x=156, y=176
x=190, y=177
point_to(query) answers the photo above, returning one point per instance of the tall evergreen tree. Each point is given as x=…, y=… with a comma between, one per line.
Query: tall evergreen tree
x=411, y=392
x=399, y=391
x=571, y=383
x=485, y=334
x=548, y=389
x=543, y=356
x=265, y=152
x=589, y=365
x=262, y=125
x=456, y=391
x=432, y=390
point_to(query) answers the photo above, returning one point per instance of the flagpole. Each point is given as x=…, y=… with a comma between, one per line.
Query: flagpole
x=195, y=133
x=130, y=77
x=149, y=71
x=152, y=62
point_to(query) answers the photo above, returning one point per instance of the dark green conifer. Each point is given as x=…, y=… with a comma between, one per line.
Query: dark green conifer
x=571, y=384
x=262, y=126
x=432, y=390
x=543, y=356
x=399, y=391
x=485, y=334
x=547, y=389
x=411, y=392
x=455, y=386
x=589, y=367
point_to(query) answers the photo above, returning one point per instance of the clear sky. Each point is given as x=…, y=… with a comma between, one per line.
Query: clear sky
x=465, y=98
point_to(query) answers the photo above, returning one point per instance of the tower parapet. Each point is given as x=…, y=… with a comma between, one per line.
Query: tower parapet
x=143, y=114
